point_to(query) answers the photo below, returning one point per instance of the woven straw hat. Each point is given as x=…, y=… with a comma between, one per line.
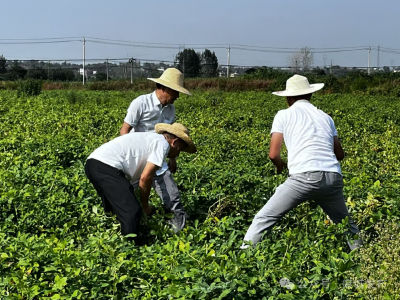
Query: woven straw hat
x=173, y=79
x=298, y=85
x=180, y=131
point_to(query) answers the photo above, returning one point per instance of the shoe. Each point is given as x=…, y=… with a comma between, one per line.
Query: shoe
x=244, y=246
x=354, y=244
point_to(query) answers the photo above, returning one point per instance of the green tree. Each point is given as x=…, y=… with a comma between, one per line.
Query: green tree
x=188, y=63
x=209, y=64
x=3, y=65
x=37, y=73
x=100, y=76
x=16, y=72
x=60, y=74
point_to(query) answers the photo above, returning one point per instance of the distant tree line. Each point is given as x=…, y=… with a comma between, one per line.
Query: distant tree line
x=195, y=64
x=192, y=64
x=17, y=70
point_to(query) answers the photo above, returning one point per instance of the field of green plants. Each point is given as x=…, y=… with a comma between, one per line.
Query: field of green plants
x=57, y=243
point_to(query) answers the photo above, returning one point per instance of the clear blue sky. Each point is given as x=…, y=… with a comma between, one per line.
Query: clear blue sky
x=265, y=23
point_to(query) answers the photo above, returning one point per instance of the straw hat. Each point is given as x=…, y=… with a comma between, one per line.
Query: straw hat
x=173, y=79
x=180, y=131
x=298, y=85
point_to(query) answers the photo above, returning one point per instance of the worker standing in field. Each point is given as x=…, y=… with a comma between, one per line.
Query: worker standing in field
x=314, y=152
x=118, y=167
x=143, y=114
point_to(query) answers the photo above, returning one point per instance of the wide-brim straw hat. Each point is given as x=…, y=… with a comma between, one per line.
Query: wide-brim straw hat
x=173, y=79
x=180, y=131
x=298, y=85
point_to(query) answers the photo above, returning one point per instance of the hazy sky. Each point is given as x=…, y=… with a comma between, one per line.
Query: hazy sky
x=263, y=23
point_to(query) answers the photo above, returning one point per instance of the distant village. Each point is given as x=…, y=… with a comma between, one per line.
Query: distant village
x=70, y=71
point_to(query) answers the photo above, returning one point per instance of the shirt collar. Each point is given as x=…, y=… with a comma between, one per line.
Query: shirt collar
x=302, y=101
x=155, y=99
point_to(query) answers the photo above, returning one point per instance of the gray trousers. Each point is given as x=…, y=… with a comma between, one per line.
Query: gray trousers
x=167, y=189
x=325, y=188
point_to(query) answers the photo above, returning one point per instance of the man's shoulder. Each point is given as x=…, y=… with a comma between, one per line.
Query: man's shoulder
x=281, y=113
x=142, y=98
x=156, y=139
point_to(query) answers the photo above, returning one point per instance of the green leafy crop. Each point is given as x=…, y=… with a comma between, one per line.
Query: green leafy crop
x=57, y=243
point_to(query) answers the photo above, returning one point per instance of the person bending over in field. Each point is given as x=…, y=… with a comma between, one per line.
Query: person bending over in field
x=314, y=152
x=118, y=167
x=143, y=114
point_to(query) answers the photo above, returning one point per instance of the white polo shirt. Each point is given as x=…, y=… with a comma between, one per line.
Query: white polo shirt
x=308, y=133
x=146, y=111
x=131, y=152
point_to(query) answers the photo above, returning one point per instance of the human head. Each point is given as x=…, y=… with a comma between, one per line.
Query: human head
x=177, y=135
x=165, y=94
x=170, y=84
x=297, y=87
x=290, y=100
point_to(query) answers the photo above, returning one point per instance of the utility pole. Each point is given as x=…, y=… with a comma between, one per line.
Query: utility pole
x=227, y=67
x=369, y=60
x=84, y=42
x=48, y=70
x=107, y=68
x=325, y=57
x=331, y=66
x=131, y=60
x=183, y=59
x=378, y=58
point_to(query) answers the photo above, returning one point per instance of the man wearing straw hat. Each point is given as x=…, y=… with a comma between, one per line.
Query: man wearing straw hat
x=116, y=168
x=143, y=114
x=314, y=152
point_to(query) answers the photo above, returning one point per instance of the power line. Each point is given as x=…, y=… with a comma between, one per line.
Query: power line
x=42, y=42
x=40, y=39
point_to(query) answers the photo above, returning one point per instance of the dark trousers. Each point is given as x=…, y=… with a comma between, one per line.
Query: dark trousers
x=117, y=194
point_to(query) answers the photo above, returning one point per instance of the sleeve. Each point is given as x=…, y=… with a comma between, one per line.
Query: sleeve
x=334, y=131
x=134, y=113
x=173, y=115
x=159, y=151
x=278, y=123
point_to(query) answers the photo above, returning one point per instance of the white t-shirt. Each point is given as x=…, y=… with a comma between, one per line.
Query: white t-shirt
x=308, y=133
x=145, y=112
x=131, y=152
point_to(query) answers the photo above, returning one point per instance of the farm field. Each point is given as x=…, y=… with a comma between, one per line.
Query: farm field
x=57, y=243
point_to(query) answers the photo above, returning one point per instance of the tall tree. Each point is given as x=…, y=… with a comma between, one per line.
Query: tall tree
x=16, y=72
x=301, y=60
x=209, y=64
x=188, y=63
x=3, y=65
x=37, y=73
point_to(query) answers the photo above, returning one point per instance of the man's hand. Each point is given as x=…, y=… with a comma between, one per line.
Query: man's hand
x=274, y=152
x=145, y=185
x=281, y=167
x=148, y=210
x=172, y=165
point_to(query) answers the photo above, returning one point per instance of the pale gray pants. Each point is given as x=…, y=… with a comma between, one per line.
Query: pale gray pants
x=325, y=188
x=167, y=189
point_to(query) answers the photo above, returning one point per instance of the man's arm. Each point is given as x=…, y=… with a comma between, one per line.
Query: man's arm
x=172, y=165
x=125, y=128
x=337, y=148
x=275, y=152
x=133, y=116
x=145, y=182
